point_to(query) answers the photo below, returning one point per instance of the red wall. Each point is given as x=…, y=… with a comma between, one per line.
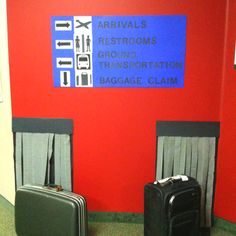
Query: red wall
x=114, y=133
x=226, y=180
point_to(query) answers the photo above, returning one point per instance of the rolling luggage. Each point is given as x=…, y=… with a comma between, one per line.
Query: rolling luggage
x=172, y=207
x=49, y=211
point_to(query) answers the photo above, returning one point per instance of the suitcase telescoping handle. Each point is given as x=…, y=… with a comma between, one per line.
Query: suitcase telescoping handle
x=55, y=187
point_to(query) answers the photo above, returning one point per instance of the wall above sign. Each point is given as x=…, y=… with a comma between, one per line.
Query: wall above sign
x=118, y=51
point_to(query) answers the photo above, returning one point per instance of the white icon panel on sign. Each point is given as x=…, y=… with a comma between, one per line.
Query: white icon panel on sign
x=64, y=62
x=64, y=44
x=84, y=79
x=83, y=47
x=83, y=61
x=65, y=78
x=62, y=25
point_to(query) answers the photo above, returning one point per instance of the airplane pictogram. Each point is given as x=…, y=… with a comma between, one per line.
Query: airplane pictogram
x=81, y=24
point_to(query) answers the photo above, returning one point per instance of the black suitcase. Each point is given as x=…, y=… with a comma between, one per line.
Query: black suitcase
x=172, y=207
x=49, y=211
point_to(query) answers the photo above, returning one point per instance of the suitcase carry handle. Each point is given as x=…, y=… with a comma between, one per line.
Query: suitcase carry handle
x=171, y=180
x=55, y=187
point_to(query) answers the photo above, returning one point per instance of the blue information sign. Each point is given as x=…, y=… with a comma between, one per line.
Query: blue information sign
x=119, y=51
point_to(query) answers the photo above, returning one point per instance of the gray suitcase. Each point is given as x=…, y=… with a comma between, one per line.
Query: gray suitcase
x=49, y=211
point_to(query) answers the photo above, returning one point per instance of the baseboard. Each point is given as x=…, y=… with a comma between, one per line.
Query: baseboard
x=115, y=217
x=138, y=218
x=225, y=225
x=6, y=204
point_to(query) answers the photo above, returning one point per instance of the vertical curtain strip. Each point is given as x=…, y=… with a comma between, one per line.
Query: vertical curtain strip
x=63, y=161
x=202, y=171
x=188, y=157
x=27, y=158
x=194, y=161
x=183, y=150
x=49, y=155
x=66, y=162
x=210, y=181
x=160, y=155
x=177, y=149
x=57, y=159
x=195, y=157
x=168, y=156
x=18, y=160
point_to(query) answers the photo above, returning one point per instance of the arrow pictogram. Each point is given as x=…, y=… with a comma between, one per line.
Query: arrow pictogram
x=64, y=63
x=65, y=82
x=63, y=43
x=67, y=25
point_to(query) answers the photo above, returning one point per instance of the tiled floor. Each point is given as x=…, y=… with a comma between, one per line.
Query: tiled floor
x=128, y=229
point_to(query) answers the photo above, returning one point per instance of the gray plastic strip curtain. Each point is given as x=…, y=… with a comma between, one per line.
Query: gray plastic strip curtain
x=192, y=156
x=33, y=152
